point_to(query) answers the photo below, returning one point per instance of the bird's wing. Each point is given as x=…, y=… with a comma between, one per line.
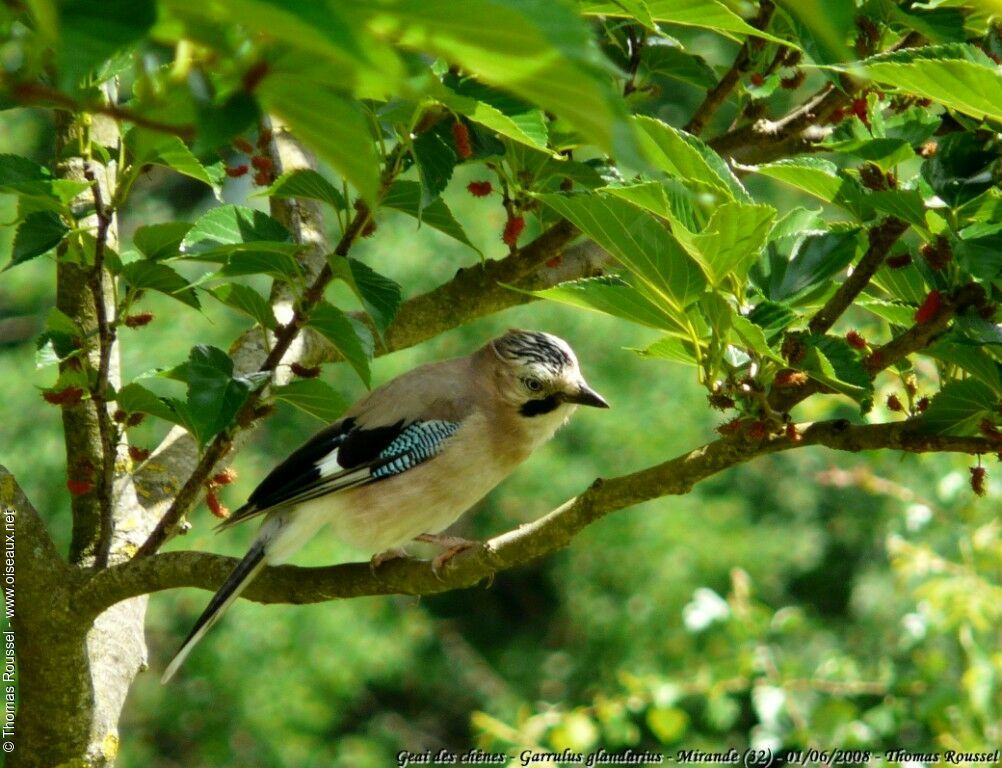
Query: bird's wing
x=346, y=455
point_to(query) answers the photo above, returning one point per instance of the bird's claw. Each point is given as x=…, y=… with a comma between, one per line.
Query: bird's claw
x=381, y=557
x=453, y=546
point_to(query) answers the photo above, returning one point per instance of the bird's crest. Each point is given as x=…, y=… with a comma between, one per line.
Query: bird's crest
x=534, y=347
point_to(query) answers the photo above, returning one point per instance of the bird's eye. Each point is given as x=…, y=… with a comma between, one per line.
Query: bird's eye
x=532, y=384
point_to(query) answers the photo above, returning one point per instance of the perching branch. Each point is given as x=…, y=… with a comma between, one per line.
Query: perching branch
x=718, y=94
x=99, y=390
x=882, y=238
x=291, y=584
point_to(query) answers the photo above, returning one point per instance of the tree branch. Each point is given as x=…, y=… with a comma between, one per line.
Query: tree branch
x=106, y=339
x=717, y=95
x=292, y=584
x=882, y=238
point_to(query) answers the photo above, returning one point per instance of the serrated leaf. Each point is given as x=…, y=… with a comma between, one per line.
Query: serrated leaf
x=529, y=127
x=817, y=177
x=731, y=241
x=686, y=157
x=338, y=329
x=90, y=33
x=245, y=299
x=380, y=295
x=39, y=233
x=772, y=317
x=306, y=183
x=135, y=398
x=314, y=397
x=973, y=360
x=228, y=228
x=846, y=361
x=894, y=313
x=640, y=242
x=903, y=284
x=823, y=27
x=436, y=156
x=816, y=258
x=281, y=266
x=671, y=348
x=958, y=76
x=214, y=394
x=959, y=407
x=160, y=241
x=707, y=14
x=169, y=151
x=820, y=368
x=672, y=62
x=611, y=295
x=159, y=277
x=405, y=196
x=753, y=338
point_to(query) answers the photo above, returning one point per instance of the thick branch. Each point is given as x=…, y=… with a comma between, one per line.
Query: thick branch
x=290, y=584
x=882, y=239
x=717, y=95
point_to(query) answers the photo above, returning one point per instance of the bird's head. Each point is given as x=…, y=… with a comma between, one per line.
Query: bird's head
x=538, y=374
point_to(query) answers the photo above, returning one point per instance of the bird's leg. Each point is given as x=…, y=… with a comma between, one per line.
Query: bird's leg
x=381, y=557
x=452, y=546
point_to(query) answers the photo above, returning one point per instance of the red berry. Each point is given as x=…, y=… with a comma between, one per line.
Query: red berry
x=900, y=261
x=757, y=79
x=787, y=378
x=261, y=163
x=79, y=487
x=894, y=404
x=225, y=477
x=855, y=340
x=479, y=188
x=513, y=230
x=138, y=454
x=554, y=262
x=237, y=171
x=978, y=480
x=989, y=430
x=120, y=416
x=930, y=307
x=792, y=433
x=262, y=178
x=461, y=136
x=730, y=427
x=263, y=139
x=243, y=145
x=757, y=430
x=138, y=321
x=216, y=506
x=922, y=404
x=135, y=419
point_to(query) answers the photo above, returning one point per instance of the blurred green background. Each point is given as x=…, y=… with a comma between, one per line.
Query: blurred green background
x=808, y=599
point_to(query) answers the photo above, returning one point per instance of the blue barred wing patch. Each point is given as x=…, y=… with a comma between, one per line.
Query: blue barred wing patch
x=417, y=443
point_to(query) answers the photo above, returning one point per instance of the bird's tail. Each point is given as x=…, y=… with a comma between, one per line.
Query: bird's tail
x=238, y=581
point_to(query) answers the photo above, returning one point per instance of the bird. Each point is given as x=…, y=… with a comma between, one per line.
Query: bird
x=409, y=458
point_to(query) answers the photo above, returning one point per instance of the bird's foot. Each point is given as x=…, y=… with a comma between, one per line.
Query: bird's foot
x=391, y=554
x=452, y=545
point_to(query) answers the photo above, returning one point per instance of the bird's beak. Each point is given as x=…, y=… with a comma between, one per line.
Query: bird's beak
x=587, y=396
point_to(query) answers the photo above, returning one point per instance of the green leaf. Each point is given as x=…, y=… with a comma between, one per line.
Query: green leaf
x=894, y=313
x=962, y=168
x=671, y=348
x=159, y=277
x=731, y=241
x=334, y=126
x=817, y=258
x=981, y=256
x=246, y=300
x=904, y=284
x=822, y=27
x=39, y=233
x=773, y=318
x=707, y=14
x=275, y=264
x=228, y=228
x=753, y=337
x=884, y=153
x=529, y=128
x=169, y=151
x=214, y=395
x=161, y=241
x=509, y=43
x=314, y=397
x=306, y=183
x=135, y=398
x=614, y=296
x=436, y=157
x=973, y=360
x=640, y=242
x=649, y=195
x=817, y=177
x=341, y=332
x=820, y=368
x=905, y=204
x=674, y=63
x=405, y=196
x=683, y=155
x=15, y=169
x=959, y=407
x=92, y=32
x=847, y=363
x=380, y=295
x=959, y=77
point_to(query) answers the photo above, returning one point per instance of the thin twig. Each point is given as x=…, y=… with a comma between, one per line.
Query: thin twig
x=882, y=238
x=717, y=95
x=636, y=49
x=36, y=94
x=99, y=390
